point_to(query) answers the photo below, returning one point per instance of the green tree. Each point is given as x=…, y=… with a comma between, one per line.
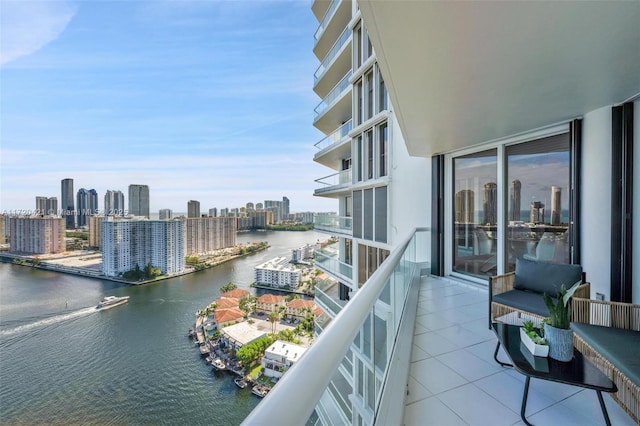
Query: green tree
x=228, y=287
x=273, y=318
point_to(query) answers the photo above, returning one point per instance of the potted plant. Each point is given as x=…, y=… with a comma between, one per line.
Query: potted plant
x=557, y=329
x=533, y=341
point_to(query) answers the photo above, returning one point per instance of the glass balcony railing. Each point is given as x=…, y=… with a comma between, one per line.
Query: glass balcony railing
x=337, y=47
x=337, y=136
x=333, y=96
x=330, y=263
x=333, y=223
x=369, y=338
x=327, y=294
x=334, y=181
x=327, y=17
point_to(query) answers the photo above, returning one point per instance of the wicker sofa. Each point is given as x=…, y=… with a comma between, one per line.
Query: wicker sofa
x=521, y=291
x=608, y=334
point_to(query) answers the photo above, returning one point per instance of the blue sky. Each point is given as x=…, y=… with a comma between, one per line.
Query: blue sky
x=203, y=100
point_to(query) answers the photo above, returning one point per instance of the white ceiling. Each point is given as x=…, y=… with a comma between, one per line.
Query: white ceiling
x=461, y=73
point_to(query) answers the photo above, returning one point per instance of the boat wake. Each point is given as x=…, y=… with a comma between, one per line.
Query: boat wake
x=48, y=321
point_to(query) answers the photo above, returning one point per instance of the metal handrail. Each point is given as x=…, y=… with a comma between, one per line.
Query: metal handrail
x=337, y=46
x=323, y=363
x=335, y=137
x=325, y=20
x=331, y=98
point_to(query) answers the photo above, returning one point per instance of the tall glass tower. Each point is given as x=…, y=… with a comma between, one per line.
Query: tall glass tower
x=67, y=206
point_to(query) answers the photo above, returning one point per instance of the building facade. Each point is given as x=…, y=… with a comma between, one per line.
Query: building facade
x=193, y=208
x=280, y=356
x=165, y=214
x=206, y=234
x=68, y=210
x=130, y=242
x=139, y=200
x=95, y=226
x=277, y=272
x=37, y=234
x=86, y=206
x=114, y=203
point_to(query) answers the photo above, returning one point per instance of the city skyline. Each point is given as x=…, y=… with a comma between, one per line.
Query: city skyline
x=205, y=101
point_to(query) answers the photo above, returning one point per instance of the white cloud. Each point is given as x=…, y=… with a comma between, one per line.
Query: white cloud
x=27, y=26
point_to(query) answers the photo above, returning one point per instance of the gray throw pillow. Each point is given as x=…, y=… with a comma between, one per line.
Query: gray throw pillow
x=544, y=277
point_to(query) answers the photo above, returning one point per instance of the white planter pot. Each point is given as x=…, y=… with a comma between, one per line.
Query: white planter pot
x=535, y=349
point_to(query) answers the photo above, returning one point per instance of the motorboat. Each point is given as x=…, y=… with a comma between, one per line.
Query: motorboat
x=260, y=390
x=218, y=364
x=111, y=301
x=240, y=382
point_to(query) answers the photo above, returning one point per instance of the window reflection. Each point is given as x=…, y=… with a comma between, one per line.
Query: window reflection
x=475, y=213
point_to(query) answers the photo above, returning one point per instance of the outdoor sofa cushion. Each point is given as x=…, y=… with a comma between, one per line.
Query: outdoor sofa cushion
x=620, y=347
x=527, y=301
x=543, y=277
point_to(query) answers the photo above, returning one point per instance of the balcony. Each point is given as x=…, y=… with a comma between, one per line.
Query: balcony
x=334, y=65
x=335, y=147
x=327, y=261
x=335, y=108
x=335, y=225
x=335, y=20
x=449, y=374
x=326, y=295
x=335, y=183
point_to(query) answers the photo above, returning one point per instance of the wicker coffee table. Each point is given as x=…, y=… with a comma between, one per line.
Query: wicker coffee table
x=577, y=372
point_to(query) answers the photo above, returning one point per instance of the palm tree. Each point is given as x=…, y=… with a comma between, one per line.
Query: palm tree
x=273, y=317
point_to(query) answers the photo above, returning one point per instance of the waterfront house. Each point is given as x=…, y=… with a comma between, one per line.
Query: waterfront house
x=236, y=293
x=280, y=356
x=300, y=308
x=225, y=317
x=268, y=303
x=238, y=335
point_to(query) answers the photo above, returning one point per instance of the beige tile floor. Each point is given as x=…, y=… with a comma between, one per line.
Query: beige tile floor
x=453, y=379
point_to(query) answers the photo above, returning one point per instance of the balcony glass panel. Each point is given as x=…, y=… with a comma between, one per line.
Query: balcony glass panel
x=332, y=302
x=335, y=137
x=333, y=96
x=334, y=181
x=337, y=47
x=327, y=17
x=332, y=223
x=333, y=265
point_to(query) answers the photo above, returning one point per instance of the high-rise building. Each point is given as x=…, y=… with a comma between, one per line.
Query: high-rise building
x=3, y=228
x=52, y=206
x=37, y=234
x=165, y=214
x=490, y=203
x=130, y=242
x=556, y=205
x=206, y=234
x=213, y=212
x=67, y=205
x=285, y=208
x=250, y=206
x=465, y=207
x=515, y=203
x=41, y=206
x=259, y=206
x=224, y=212
x=87, y=205
x=114, y=203
x=536, y=213
x=95, y=226
x=139, y=200
x=193, y=208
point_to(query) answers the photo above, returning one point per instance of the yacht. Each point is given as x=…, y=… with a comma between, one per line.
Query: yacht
x=110, y=301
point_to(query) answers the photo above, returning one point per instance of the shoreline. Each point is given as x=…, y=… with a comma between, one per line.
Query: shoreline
x=82, y=272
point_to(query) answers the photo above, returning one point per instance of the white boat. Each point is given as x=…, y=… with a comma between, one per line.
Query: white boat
x=218, y=364
x=111, y=301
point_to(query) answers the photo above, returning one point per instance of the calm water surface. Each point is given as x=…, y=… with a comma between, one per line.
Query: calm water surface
x=132, y=364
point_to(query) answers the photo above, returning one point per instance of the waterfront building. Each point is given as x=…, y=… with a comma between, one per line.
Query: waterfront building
x=227, y=316
x=138, y=241
x=236, y=293
x=213, y=212
x=237, y=335
x=193, y=208
x=67, y=205
x=52, y=206
x=206, y=234
x=536, y=212
x=249, y=207
x=300, y=308
x=227, y=303
x=95, y=226
x=277, y=272
x=465, y=208
x=37, y=234
x=268, y=303
x=224, y=212
x=165, y=214
x=515, y=203
x=114, y=203
x=307, y=217
x=301, y=253
x=465, y=114
x=139, y=200
x=259, y=206
x=556, y=205
x=86, y=206
x=280, y=356
x=3, y=234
